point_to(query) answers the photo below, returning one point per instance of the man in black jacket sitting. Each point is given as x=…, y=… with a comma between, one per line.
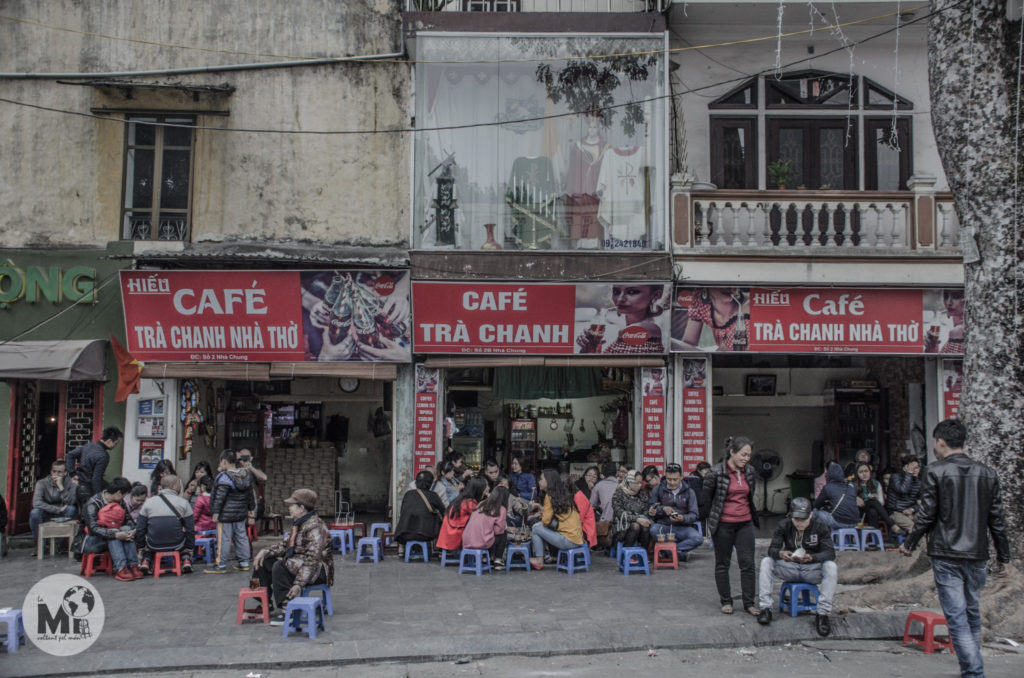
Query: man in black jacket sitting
x=966, y=495
x=801, y=551
x=166, y=524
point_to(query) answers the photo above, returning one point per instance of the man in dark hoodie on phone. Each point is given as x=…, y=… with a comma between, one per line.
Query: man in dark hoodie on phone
x=231, y=503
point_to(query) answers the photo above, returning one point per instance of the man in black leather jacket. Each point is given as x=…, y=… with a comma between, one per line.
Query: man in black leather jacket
x=960, y=507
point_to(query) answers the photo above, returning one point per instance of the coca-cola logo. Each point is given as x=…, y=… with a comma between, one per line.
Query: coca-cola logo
x=634, y=336
x=384, y=285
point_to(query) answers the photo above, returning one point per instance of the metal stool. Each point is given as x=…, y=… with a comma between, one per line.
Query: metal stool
x=628, y=555
x=846, y=538
x=799, y=598
x=481, y=560
x=325, y=593
x=260, y=595
x=422, y=545
x=299, y=611
x=368, y=548
x=927, y=639
x=568, y=559
x=517, y=550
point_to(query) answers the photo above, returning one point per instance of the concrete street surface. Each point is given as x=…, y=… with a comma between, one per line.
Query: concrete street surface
x=812, y=659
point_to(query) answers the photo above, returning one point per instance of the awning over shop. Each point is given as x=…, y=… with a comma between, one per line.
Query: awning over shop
x=549, y=361
x=69, y=360
x=245, y=371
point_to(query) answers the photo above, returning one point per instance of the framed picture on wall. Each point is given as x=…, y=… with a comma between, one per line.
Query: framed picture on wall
x=760, y=385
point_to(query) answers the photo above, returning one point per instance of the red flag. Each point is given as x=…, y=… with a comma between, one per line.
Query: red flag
x=129, y=371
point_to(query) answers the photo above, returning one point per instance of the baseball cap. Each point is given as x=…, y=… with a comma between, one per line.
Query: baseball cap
x=800, y=508
x=302, y=496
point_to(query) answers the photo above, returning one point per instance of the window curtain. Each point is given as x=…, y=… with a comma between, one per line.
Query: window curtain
x=528, y=383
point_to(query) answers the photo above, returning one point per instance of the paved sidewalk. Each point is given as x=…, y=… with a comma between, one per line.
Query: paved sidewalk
x=412, y=612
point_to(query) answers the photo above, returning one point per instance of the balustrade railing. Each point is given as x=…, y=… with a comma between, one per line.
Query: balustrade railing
x=606, y=6
x=864, y=221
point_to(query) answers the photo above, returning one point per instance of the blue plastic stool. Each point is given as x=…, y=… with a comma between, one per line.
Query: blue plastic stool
x=871, y=537
x=425, y=555
x=446, y=559
x=207, y=544
x=799, y=598
x=15, y=635
x=368, y=548
x=481, y=560
x=630, y=553
x=514, y=550
x=846, y=538
x=342, y=540
x=325, y=593
x=384, y=527
x=206, y=533
x=613, y=550
x=299, y=611
x=569, y=559
x=900, y=538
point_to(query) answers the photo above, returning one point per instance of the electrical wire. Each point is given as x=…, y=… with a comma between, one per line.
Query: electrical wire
x=474, y=125
x=59, y=313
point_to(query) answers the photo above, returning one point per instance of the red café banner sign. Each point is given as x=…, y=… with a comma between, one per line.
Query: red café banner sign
x=818, y=320
x=541, y=318
x=267, y=316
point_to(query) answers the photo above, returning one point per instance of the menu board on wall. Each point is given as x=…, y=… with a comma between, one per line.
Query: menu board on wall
x=425, y=448
x=952, y=381
x=694, y=413
x=653, y=380
x=818, y=320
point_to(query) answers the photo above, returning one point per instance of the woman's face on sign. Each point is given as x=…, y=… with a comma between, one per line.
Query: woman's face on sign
x=632, y=300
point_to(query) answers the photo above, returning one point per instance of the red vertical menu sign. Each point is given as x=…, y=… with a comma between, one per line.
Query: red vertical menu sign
x=654, y=418
x=695, y=419
x=425, y=448
x=952, y=381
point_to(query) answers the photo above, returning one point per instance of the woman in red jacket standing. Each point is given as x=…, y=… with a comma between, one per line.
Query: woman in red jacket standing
x=459, y=511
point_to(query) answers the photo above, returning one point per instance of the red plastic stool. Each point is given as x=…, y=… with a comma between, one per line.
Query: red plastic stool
x=262, y=612
x=252, y=532
x=96, y=562
x=272, y=524
x=927, y=639
x=668, y=547
x=159, y=568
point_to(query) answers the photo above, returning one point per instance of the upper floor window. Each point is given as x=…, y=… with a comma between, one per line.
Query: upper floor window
x=157, y=201
x=825, y=127
x=540, y=143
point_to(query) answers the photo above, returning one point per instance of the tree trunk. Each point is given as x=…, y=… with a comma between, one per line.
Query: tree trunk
x=974, y=101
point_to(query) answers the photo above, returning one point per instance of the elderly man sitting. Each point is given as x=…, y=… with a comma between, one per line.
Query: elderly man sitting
x=301, y=559
x=801, y=551
x=165, y=524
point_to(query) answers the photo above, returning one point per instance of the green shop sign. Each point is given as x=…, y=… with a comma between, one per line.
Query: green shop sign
x=35, y=283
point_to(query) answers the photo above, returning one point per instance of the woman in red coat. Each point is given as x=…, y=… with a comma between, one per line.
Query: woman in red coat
x=586, y=510
x=458, y=513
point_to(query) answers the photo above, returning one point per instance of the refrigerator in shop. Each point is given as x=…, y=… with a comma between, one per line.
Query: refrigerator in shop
x=855, y=422
x=469, y=438
x=522, y=437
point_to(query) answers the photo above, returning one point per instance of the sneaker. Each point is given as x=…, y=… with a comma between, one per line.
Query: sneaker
x=145, y=567
x=823, y=625
x=124, y=574
x=549, y=560
x=186, y=566
x=137, y=572
x=243, y=566
x=277, y=619
x=764, y=618
x=216, y=569
x=498, y=564
x=684, y=557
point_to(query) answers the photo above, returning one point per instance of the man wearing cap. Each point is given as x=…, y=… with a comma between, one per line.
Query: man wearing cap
x=801, y=551
x=302, y=558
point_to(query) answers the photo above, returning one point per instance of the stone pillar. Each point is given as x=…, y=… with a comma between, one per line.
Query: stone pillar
x=403, y=427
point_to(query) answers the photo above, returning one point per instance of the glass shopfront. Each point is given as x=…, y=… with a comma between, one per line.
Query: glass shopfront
x=540, y=143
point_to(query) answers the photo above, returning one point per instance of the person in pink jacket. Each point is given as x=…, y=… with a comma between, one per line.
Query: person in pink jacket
x=486, y=527
x=201, y=509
